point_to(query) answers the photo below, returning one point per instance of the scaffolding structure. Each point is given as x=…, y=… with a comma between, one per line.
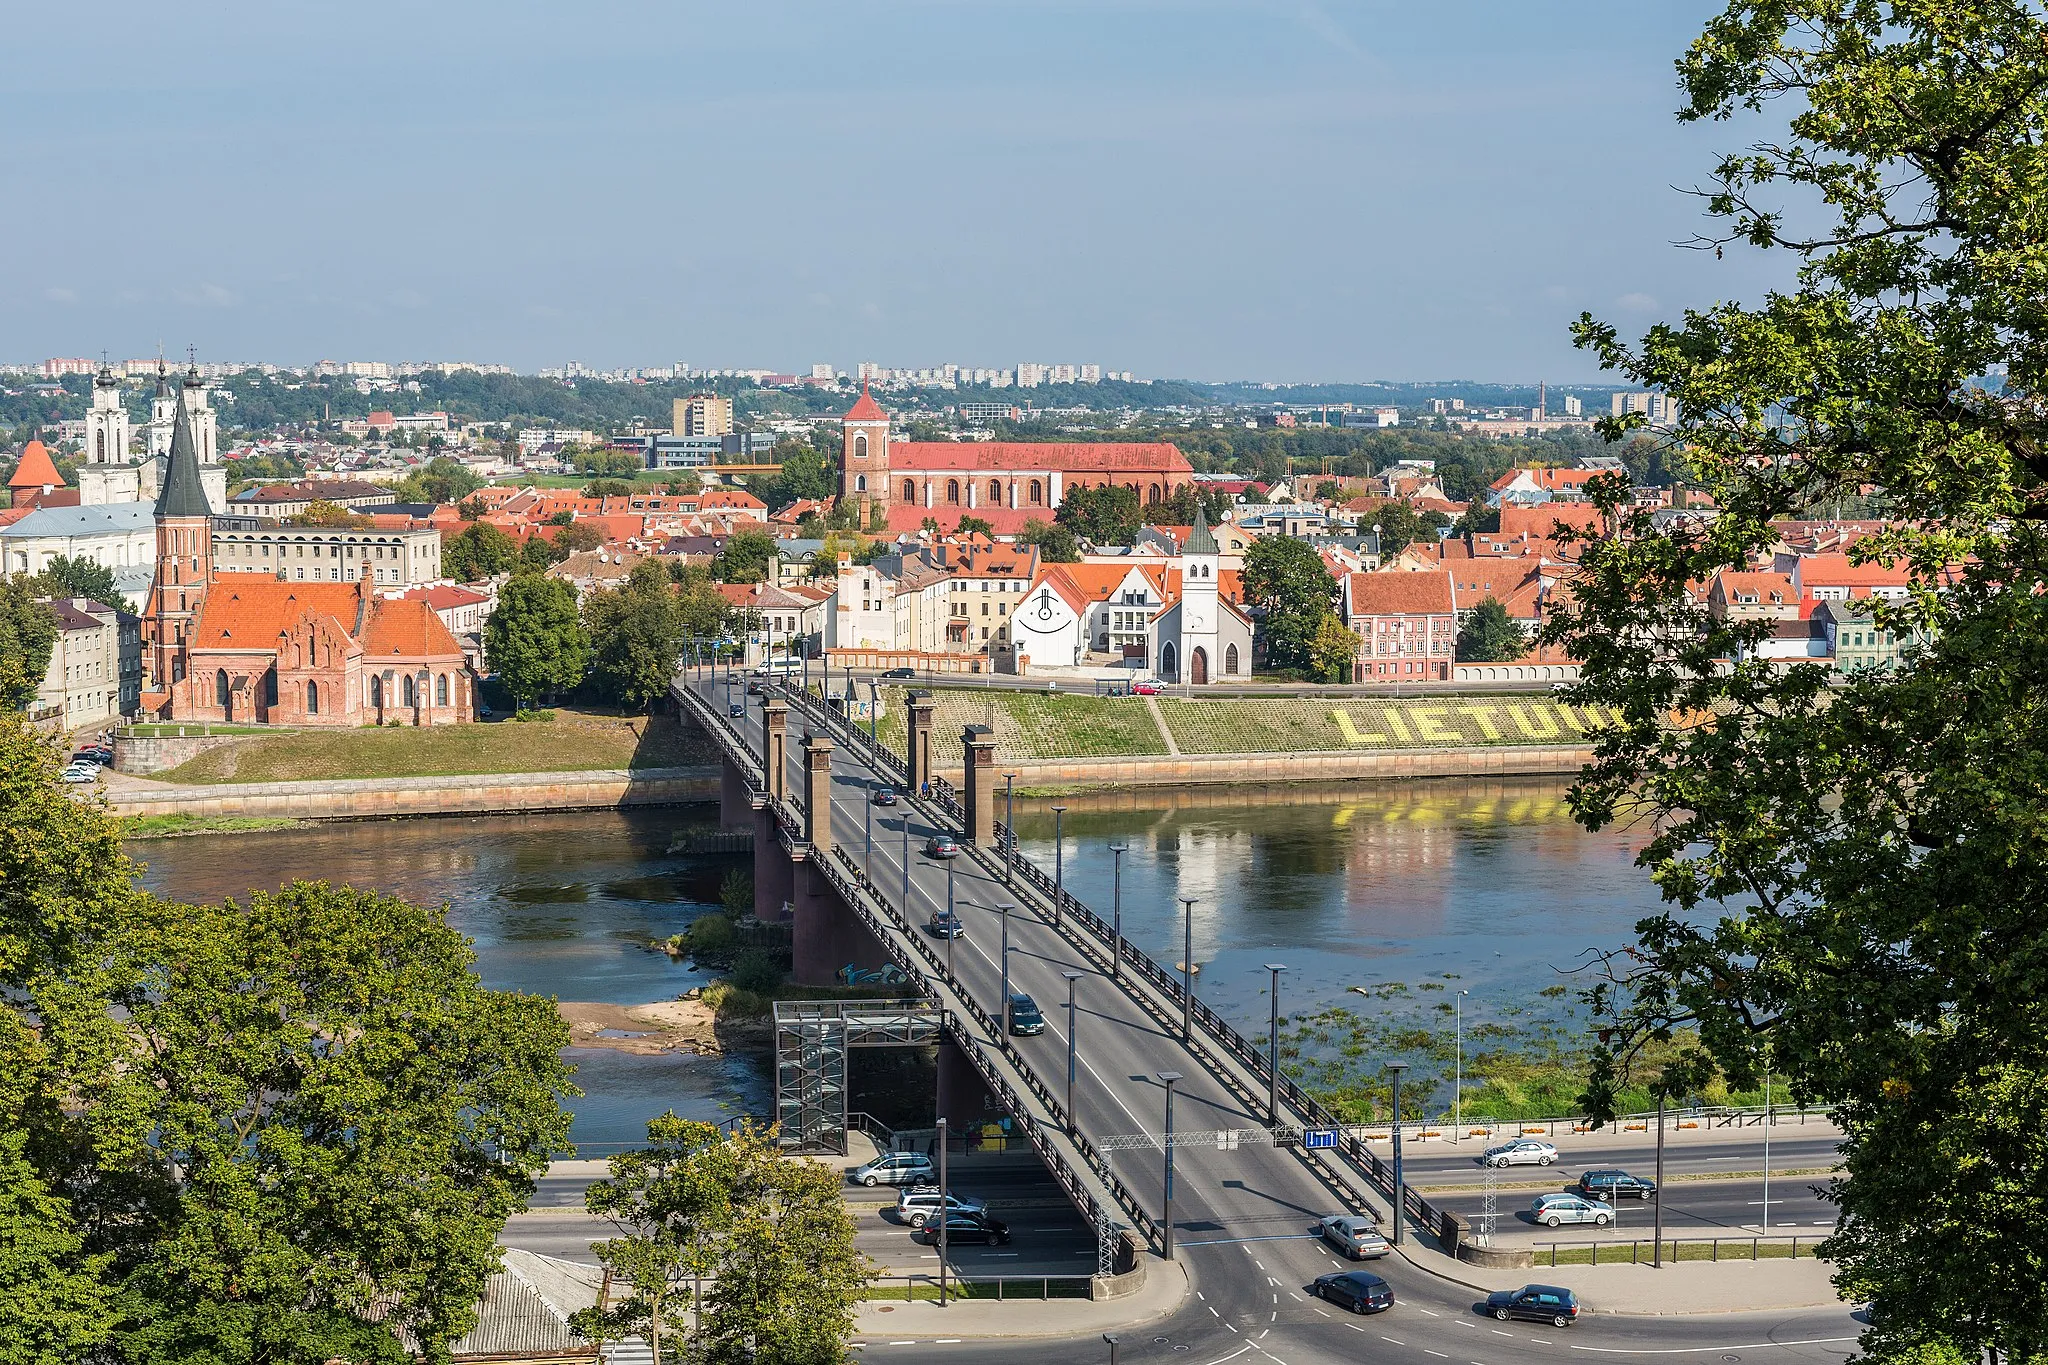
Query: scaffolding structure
x=812, y=1039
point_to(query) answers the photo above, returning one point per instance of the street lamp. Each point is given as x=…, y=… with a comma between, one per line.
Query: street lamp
x=1273, y=1050
x=1399, y=1199
x=1004, y=1034
x=1071, y=977
x=1458, y=1076
x=1167, y=1079
x=949, y=889
x=1187, y=972
x=945, y=1206
x=1010, y=823
x=869, y=822
x=1116, y=960
x=906, y=860
x=1059, y=852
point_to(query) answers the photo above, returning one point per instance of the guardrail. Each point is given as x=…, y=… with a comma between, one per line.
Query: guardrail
x=1675, y=1249
x=976, y=1286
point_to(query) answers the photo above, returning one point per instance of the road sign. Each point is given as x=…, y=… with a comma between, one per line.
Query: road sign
x=1319, y=1139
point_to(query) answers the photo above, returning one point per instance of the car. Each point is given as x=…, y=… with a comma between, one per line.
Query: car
x=916, y=1204
x=484, y=711
x=1552, y=1210
x=738, y=710
x=81, y=774
x=1361, y=1291
x=1611, y=1185
x=1052, y=686
x=946, y=924
x=966, y=1226
x=1520, y=1152
x=882, y=796
x=1145, y=689
x=1357, y=1237
x=1535, y=1303
x=894, y=1168
x=901, y=673
x=1025, y=1019
x=942, y=846
x=756, y=688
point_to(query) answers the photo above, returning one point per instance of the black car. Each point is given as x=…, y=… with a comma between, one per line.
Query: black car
x=1535, y=1303
x=1025, y=1020
x=966, y=1225
x=1359, y=1290
x=901, y=673
x=737, y=710
x=946, y=924
x=883, y=796
x=1610, y=1185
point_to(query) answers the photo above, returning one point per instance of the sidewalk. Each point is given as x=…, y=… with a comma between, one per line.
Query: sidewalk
x=1165, y=1288
x=1684, y=1289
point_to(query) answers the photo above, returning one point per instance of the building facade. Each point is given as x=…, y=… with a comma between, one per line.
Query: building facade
x=327, y=554
x=87, y=682
x=1407, y=625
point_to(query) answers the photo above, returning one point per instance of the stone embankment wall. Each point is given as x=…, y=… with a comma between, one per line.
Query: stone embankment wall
x=142, y=755
x=372, y=798
x=1251, y=769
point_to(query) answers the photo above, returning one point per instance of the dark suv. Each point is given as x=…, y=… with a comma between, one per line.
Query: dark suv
x=1358, y=1290
x=1535, y=1303
x=1025, y=1020
x=965, y=1225
x=1610, y=1185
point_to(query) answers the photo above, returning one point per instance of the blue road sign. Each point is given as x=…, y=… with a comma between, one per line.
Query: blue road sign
x=1319, y=1138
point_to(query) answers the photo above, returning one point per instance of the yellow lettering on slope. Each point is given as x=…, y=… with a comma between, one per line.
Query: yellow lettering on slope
x=1428, y=726
x=1524, y=724
x=1481, y=714
x=1394, y=724
x=1570, y=719
x=1352, y=734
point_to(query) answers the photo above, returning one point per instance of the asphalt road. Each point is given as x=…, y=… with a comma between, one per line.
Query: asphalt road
x=1701, y=1208
x=1443, y=1163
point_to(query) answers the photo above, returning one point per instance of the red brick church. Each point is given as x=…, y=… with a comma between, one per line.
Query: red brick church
x=252, y=650
x=1005, y=483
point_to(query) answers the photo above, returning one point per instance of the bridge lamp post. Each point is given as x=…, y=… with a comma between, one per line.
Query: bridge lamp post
x=1400, y=1212
x=945, y=1207
x=1005, y=1026
x=1187, y=971
x=1071, y=977
x=1059, y=864
x=1010, y=824
x=1116, y=961
x=1273, y=1053
x=949, y=887
x=874, y=709
x=868, y=827
x=1168, y=1079
x=1458, y=1074
x=906, y=860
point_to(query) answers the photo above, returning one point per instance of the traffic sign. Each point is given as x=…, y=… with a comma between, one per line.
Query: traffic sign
x=1319, y=1138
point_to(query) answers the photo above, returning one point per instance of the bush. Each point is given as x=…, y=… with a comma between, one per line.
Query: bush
x=537, y=716
x=709, y=935
x=755, y=972
x=729, y=1002
x=736, y=892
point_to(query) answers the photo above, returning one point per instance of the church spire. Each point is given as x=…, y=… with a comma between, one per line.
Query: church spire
x=183, y=494
x=1200, y=542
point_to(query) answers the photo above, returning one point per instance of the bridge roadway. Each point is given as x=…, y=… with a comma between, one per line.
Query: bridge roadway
x=1240, y=1216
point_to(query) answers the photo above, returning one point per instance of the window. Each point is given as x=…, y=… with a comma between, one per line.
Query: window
x=312, y=699
x=953, y=492
x=220, y=687
x=441, y=689
x=860, y=446
x=1036, y=493
x=860, y=483
x=376, y=691
x=1230, y=659
x=909, y=491
x=411, y=698
x=995, y=493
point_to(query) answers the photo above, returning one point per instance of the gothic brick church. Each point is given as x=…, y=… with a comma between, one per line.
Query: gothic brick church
x=252, y=650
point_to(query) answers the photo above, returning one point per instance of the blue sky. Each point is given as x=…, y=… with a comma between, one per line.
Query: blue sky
x=1277, y=191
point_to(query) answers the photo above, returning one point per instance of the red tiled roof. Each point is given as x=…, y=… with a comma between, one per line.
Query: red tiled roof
x=1538, y=520
x=408, y=629
x=1393, y=593
x=247, y=612
x=35, y=469
x=1078, y=457
x=445, y=596
x=1095, y=582
x=865, y=409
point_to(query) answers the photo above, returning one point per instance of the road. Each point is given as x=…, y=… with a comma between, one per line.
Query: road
x=1239, y=1216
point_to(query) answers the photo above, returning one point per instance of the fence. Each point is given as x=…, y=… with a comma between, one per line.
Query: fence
x=998, y=1287
x=1675, y=1249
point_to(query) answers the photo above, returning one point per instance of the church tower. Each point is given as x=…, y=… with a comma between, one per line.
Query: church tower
x=184, y=558
x=1200, y=622
x=864, y=455
x=163, y=414
x=106, y=426
x=205, y=422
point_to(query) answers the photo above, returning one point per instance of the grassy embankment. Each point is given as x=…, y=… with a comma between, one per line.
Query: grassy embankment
x=172, y=826
x=573, y=741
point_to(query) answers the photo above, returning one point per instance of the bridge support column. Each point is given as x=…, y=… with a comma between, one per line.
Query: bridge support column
x=774, y=884
x=733, y=812
x=918, y=756
x=964, y=1100
x=979, y=745
x=775, y=746
x=818, y=793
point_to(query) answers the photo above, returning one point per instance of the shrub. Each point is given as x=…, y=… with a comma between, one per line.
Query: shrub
x=709, y=934
x=541, y=717
x=737, y=893
x=755, y=973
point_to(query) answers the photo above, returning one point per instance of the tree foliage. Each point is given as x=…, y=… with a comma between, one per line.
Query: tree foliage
x=479, y=551
x=744, y=557
x=438, y=480
x=534, y=640
x=1108, y=515
x=636, y=635
x=1286, y=581
x=1855, y=871
x=28, y=631
x=321, y=512
x=1490, y=635
x=1332, y=650
x=1400, y=526
x=1056, y=544
x=84, y=577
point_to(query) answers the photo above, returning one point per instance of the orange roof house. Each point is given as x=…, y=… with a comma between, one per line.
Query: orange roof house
x=36, y=482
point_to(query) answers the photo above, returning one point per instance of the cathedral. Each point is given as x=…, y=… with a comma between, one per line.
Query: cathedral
x=108, y=472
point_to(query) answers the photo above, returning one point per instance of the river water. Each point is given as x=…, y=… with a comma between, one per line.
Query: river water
x=1486, y=887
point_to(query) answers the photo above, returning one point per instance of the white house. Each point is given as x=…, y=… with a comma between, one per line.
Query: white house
x=1202, y=636
x=119, y=535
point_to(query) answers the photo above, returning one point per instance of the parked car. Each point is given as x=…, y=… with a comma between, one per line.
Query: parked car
x=1535, y=1303
x=916, y=1204
x=946, y=924
x=1052, y=686
x=1521, y=1152
x=901, y=673
x=1145, y=689
x=1355, y=1236
x=1025, y=1019
x=1361, y=1291
x=81, y=772
x=966, y=1226
x=942, y=846
x=1551, y=1210
x=1611, y=1185
x=738, y=710
x=894, y=1168
x=883, y=796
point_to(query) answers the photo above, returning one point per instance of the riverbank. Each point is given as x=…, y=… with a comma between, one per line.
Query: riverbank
x=384, y=798
x=687, y=1026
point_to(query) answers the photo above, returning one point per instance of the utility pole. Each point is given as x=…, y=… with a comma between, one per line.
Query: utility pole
x=1059, y=864
x=1072, y=977
x=1116, y=960
x=1458, y=1083
x=1187, y=972
x=1657, y=1256
x=945, y=1209
x=1168, y=1079
x=1273, y=1051
x=1400, y=1196
x=1010, y=825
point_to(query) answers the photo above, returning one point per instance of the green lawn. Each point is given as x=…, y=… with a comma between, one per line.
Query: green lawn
x=1031, y=724
x=572, y=742
x=171, y=826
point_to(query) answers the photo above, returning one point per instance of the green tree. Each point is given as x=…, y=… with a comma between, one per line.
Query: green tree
x=1056, y=544
x=321, y=512
x=56, y=1302
x=1286, y=581
x=806, y=472
x=973, y=525
x=438, y=480
x=1855, y=871
x=636, y=635
x=28, y=631
x=480, y=550
x=744, y=558
x=537, y=553
x=1400, y=526
x=769, y=1232
x=81, y=577
x=1333, y=650
x=574, y=535
x=534, y=640
x=1109, y=515
x=607, y=488
x=1490, y=635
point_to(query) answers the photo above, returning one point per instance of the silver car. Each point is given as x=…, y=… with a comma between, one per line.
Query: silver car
x=894, y=1168
x=917, y=1204
x=1521, y=1152
x=1357, y=1237
x=1552, y=1210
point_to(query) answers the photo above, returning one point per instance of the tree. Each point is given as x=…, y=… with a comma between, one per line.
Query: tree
x=1109, y=515
x=607, y=488
x=28, y=631
x=1490, y=635
x=1333, y=650
x=479, y=551
x=744, y=558
x=1400, y=526
x=1056, y=544
x=438, y=480
x=636, y=635
x=1285, y=579
x=806, y=472
x=1853, y=868
x=770, y=1232
x=537, y=554
x=56, y=1302
x=320, y=512
x=81, y=577
x=974, y=526
x=534, y=640
x=572, y=536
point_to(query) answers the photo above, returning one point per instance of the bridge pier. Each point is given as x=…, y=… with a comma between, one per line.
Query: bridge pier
x=978, y=745
x=735, y=811
x=918, y=753
x=964, y=1100
x=774, y=881
x=825, y=935
x=775, y=746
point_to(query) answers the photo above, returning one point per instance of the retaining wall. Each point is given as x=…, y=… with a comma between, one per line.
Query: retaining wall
x=371, y=798
x=145, y=754
x=1242, y=769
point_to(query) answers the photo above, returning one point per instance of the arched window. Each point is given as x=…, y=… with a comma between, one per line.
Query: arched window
x=270, y=686
x=995, y=493
x=377, y=691
x=1037, y=493
x=99, y=441
x=411, y=699
x=953, y=492
x=860, y=483
x=1230, y=658
x=909, y=491
x=312, y=699
x=1153, y=496
x=441, y=689
x=220, y=687
x=860, y=446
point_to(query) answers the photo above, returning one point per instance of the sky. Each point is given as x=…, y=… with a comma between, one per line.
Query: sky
x=1200, y=189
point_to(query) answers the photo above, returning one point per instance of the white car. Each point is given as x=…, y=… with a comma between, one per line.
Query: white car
x=1521, y=1152
x=1551, y=1210
x=81, y=771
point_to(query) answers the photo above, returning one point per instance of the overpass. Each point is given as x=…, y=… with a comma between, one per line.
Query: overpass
x=854, y=882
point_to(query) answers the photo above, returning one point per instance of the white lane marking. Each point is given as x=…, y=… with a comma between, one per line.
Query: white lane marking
x=1438, y=1354
x=1354, y=1327
x=947, y=1341
x=1213, y=1312
x=1231, y=1325
x=1263, y=1335
x=1497, y=1332
x=1703, y=1350
x=1200, y=1295
x=903, y=1343
x=1397, y=1343
x=1276, y=1314
x=1270, y=1280
x=1233, y=1355
x=1434, y=1315
x=1259, y=1263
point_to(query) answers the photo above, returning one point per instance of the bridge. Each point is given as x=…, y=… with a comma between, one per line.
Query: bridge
x=855, y=883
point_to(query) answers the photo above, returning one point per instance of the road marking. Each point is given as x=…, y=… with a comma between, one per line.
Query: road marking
x=1434, y=1315
x=1354, y=1327
x=1234, y=1241
x=1497, y=1332
x=1259, y=1263
x=903, y=1343
x=1438, y=1354
x=1233, y=1355
x=1231, y=1325
x=947, y=1341
x=1213, y=1312
x=1397, y=1343
x=1702, y=1350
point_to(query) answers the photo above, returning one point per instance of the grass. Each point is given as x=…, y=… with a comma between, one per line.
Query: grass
x=576, y=741
x=172, y=826
x=1033, y=724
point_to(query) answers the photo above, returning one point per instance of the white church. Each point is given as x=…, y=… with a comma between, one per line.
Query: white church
x=109, y=472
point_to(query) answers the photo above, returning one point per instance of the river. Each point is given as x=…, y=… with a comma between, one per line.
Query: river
x=1484, y=887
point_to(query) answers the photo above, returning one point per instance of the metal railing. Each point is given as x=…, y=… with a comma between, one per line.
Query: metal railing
x=1675, y=1248
x=976, y=1286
